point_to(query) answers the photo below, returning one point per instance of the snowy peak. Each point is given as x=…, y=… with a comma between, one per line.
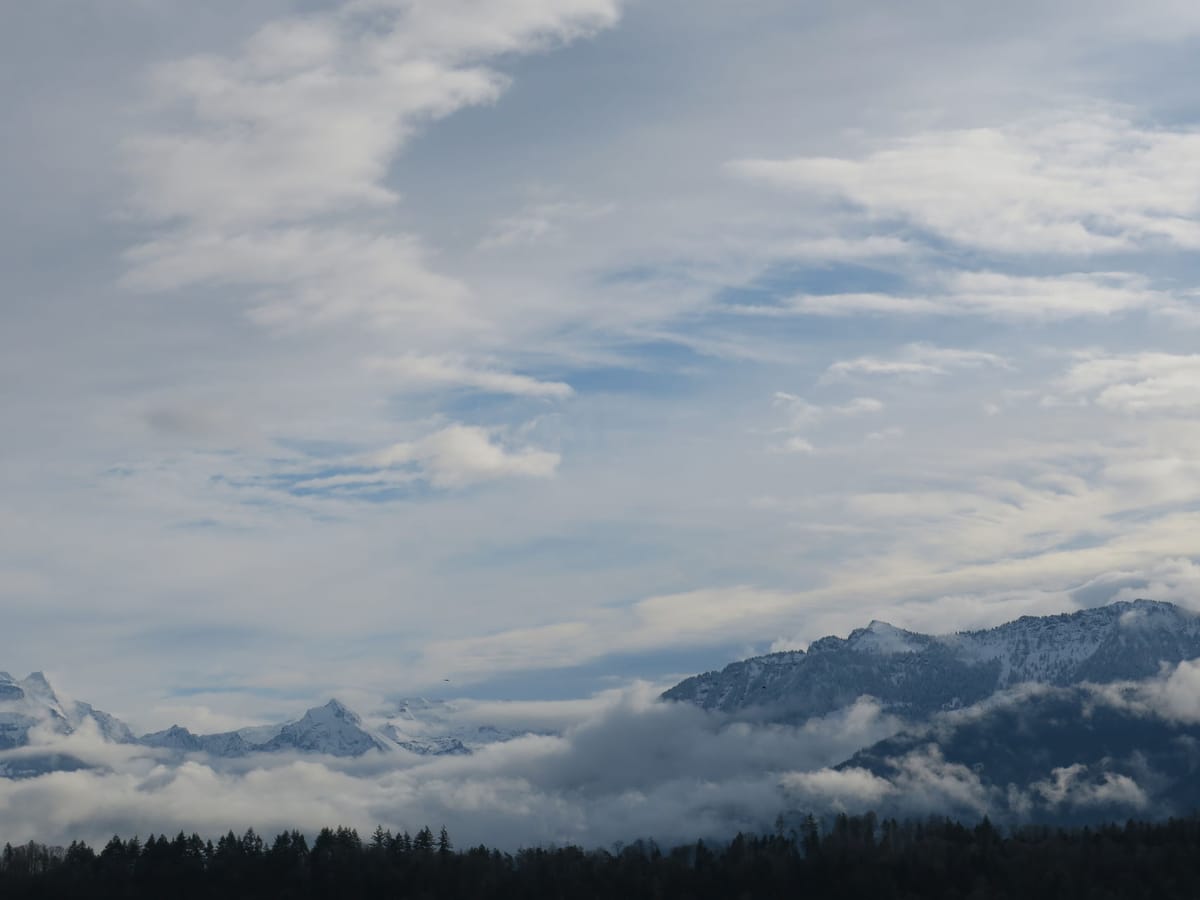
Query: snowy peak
x=333, y=729
x=32, y=703
x=174, y=738
x=439, y=727
x=915, y=674
x=885, y=639
x=31, y=711
x=1124, y=640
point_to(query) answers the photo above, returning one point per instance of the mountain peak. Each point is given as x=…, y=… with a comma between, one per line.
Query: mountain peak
x=916, y=674
x=884, y=638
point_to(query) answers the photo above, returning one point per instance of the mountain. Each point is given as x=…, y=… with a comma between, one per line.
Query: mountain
x=33, y=716
x=32, y=704
x=916, y=675
x=230, y=743
x=428, y=727
x=332, y=728
x=1054, y=754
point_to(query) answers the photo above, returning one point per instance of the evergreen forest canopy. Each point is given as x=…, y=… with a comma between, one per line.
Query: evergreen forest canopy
x=854, y=857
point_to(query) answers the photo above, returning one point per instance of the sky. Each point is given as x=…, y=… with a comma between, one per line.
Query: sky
x=530, y=349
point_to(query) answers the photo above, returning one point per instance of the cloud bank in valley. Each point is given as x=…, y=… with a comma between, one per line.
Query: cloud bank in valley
x=630, y=767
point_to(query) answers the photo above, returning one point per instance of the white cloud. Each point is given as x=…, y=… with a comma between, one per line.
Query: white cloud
x=307, y=117
x=461, y=455
x=306, y=277
x=802, y=413
x=848, y=790
x=422, y=371
x=915, y=360
x=1163, y=383
x=1068, y=184
x=631, y=766
x=994, y=295
x=262, y=151
x=1071, y=786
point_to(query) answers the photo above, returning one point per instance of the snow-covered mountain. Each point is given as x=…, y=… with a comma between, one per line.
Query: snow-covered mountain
x=420, y=726
x=918, y=674
x=428, y=727
x=33, y=715
x=333, y=729
x=32, y=704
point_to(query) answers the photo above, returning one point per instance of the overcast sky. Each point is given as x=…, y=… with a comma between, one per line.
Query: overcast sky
x=545, y=345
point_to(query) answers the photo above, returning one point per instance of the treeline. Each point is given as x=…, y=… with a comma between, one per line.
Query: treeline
x=855, y=857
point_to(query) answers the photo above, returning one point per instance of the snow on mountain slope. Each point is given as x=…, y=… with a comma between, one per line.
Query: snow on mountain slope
x=333, y=728
x=439, y=726
x=32, y=703
x=919, y=674
x=230, y=743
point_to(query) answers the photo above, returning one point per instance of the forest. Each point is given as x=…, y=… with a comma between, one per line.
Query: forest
x=848, y=857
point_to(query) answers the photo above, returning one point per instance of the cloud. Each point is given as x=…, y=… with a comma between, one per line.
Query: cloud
x=541, y=222
x=919, y=782
x=846, y=790
x=1071, y=786
x=462, y=455
x=801, y=412
x=262, y=151
x=993, y=295
x=1174, y=696
x=306, y=118
x=634, y=767
x=1072, y=183
x=1135, y=383
x=915, y=360
x=308, y=277
x=419, y=371
x=802, y=415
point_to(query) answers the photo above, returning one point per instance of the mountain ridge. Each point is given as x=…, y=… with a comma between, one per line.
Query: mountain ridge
x=917, y=674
